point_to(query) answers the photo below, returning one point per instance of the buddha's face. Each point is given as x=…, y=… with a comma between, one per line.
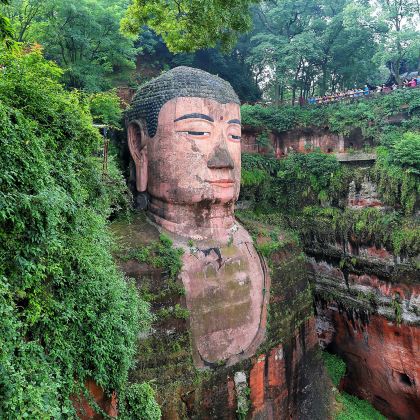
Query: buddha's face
x=195, y=155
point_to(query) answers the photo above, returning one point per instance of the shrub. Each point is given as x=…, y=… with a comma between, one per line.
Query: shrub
x=292, y=182
x=161, y=254
x=141, y=403
x=406, y=153
x=106, y=108
x=351, y=407
x=354, y=408
x=67, y=314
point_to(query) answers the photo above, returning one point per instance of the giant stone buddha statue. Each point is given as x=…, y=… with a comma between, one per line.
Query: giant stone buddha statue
x=184, y=135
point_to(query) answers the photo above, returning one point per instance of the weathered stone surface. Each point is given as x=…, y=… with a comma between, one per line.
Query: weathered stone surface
x=382, y=360
x=285, y=379
x=368, y=293
x=365, y=196
x=108, y=404
x=227, y=290
x=184, y=137
x=304, y=140
x=368, y=312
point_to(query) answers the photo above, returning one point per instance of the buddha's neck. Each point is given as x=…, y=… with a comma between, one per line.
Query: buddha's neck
x=196, y=221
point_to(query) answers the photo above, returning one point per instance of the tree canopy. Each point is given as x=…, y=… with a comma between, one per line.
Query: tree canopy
x=81, y=36
x=189, y=25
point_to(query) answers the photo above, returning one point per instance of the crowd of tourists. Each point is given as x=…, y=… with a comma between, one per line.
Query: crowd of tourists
x=358, y=93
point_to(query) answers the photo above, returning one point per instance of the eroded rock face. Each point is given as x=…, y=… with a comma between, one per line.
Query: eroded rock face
x=368, y=312
x=84, y=409
x=288, y=382
x=365, y=196
x=382, y=360
x=302, y=140
x=368, y=293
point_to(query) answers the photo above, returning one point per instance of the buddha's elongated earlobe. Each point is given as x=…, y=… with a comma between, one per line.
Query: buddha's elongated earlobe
x=137, y=144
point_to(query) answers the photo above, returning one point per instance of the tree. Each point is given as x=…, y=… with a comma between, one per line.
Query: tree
x=6, y=32
x=304, y=47
x=23, y=14
x=66, y=313
x=395, y=23
x=81, y=36
x=402, y=38
x=232, y=66
x=189, y=25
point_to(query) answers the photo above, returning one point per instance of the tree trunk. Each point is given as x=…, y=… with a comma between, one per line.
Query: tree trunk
x=276, y=92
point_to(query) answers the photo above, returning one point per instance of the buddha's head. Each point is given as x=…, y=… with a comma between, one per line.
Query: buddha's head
x=184, y=137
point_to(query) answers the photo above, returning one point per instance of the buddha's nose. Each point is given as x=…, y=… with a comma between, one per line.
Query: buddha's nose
x=220, y=159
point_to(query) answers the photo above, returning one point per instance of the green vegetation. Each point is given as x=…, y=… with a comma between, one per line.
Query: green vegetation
x=335, y=366
x=349, y=406
x=371, y=116
x=161, y=254
x=406, y=153
x=310, y=189
x=397, y=306
x=293, y=182
x=81, y=36
x=187, y=25
x=243, y=403
x=66, y=313
x=105, y=108
x=318, y=46
x=370, y=225
x=354, y=408
x=141, y=403
x=6, y=31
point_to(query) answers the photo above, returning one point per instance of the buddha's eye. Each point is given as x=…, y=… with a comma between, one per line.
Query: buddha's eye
x=198, y=133
x=234, y=138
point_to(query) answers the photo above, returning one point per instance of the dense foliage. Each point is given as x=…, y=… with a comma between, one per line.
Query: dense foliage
x=81, y=36
x=311, y=189
x=105, y=108
x=6, y=31
x=189, y=25
x=291, y=183
x=154, y=56
x=305, y=48
x=66, y=313
x=369, y=115
x=141, y=403
x=370, y=226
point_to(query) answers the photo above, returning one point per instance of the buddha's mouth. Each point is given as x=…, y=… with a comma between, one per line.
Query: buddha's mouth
x=224, y=183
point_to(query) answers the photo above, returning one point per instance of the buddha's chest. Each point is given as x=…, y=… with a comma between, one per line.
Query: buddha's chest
x=225, y=294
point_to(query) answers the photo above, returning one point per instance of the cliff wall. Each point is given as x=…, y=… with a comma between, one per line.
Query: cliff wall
x=284, y=379
x=367, y=301
x=300, y=140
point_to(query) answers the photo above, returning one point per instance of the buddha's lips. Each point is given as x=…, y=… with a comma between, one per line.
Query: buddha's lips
x=224, y=183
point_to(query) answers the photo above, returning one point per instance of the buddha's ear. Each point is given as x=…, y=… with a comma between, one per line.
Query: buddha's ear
x=137, y=143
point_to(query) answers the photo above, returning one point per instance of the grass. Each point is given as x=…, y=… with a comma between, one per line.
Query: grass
x=349, y=407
